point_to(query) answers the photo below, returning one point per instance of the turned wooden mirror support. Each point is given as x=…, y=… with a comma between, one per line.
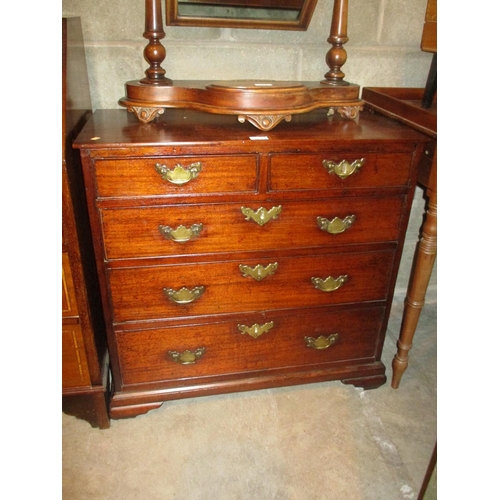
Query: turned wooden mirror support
x=264, y=103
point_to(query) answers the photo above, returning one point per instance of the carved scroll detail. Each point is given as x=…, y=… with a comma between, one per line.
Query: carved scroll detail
x=347, y=112
x=264, y=122
x=145, y=115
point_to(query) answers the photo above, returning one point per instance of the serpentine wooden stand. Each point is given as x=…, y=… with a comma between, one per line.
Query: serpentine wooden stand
x=264, y=103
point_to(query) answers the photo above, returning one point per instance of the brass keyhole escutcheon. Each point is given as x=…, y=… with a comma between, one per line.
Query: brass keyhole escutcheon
x=258, y=272
x=256, y=330
x=261, y=216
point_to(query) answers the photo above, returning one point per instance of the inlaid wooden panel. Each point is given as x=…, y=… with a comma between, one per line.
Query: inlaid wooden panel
x=134, y=232
x=138, y=293
x=137, y=177
x=144, y=355
x=382, y=170
x=69, y=305
x=75, y=371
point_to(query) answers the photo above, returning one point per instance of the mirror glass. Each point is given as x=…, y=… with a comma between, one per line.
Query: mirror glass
x=263, y=14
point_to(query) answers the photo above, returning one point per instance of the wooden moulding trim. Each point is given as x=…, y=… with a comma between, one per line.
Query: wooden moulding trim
x=156, y=397
x=291, y=98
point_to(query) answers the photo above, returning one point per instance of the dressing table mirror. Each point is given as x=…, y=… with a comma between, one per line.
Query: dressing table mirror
x=254, y=14
x=263, y=103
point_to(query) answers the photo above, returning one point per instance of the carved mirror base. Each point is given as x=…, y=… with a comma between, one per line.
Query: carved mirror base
x=264, y=104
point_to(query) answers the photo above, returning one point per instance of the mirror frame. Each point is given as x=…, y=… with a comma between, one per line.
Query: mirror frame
x=174, y=19
x=263, y=103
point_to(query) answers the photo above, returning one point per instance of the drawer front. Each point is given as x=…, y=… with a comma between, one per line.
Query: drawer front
x=160, y=177
x=135, y=232
x=222, y=348
x=75, y=371
x=223, y=287
x=309, y=172
x=69, y=305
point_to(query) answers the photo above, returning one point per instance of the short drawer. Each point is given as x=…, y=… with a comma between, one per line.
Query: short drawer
x=248, y=285
x=176, y=176
x=136, y=232
x=330, y=171
x=299, y=339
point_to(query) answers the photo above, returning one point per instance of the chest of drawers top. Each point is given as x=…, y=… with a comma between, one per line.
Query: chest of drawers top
x=116, y=131
x=130, y=160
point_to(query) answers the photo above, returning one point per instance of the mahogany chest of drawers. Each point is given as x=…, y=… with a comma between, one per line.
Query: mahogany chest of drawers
x=232, y=259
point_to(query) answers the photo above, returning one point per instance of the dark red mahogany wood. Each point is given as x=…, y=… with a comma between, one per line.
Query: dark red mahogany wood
x=238, y=332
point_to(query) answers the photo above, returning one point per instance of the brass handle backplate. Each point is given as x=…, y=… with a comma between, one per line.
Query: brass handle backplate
x=256, y=330
x=336, y=225
x=261, y=216
x=187, y=357
x=184, y=295
x=321, y=342
x=329, y=284
x=181, y=234
x=258, y=272
x=343, y=169
x=179, y=175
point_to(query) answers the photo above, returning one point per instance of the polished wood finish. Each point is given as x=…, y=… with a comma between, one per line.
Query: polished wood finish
x=84, y=355
x=141, y=271
x=263, y=103
x=419, y=279
x=405, y=105
x=155, y=52
x=429, y=33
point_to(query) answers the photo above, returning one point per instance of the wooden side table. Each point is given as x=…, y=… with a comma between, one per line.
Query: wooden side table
x=405, y=105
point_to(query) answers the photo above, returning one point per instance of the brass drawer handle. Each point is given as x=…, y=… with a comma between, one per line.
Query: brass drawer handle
x=184, y=295
x=336, y=225
x=321, y=342
x=182, y=233
x=179, y=175
x=261, y=216
x=256, y=330
x=259, y=272
x=343, y=169
x=329, y=284
x=187, y=357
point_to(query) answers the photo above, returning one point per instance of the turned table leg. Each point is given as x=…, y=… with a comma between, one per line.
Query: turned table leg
x=419, y=279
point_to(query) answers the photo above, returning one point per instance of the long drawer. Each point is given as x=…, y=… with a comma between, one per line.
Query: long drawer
x=211, y=228
x=176, y=176
x=338, y=171
x=172, y=291
x=298, y=339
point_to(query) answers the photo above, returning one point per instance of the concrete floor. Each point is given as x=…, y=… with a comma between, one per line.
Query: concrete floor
x=325, y=441
x=313, y=442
